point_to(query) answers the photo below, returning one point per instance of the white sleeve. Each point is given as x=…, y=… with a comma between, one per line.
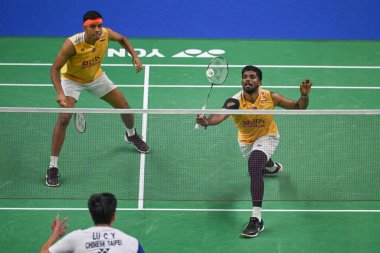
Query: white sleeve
x=64, y=245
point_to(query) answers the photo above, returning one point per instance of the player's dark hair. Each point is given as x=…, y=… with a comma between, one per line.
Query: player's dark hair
x=102, y=207
x=91, y=15
x=255, y=69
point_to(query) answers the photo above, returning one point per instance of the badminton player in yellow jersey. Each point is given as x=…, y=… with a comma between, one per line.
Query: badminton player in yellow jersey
x=258, y=135
x=79, y=62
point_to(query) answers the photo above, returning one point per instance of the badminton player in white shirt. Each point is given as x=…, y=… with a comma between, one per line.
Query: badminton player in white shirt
x=100, y=238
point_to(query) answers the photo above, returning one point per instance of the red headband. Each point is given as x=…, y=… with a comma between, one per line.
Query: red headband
x=91, y=21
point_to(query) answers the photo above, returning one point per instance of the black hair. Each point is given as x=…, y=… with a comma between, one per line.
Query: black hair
x=102, y=207
x=255, y=69
x=91, y=15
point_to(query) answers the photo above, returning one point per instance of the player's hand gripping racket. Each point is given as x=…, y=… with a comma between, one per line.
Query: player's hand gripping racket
x=216, y=73
x=80, y=122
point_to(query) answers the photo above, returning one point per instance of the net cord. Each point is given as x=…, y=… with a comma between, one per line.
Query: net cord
x=187, y=111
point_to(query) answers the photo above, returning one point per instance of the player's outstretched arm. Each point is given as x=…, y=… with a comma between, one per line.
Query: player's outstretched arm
x=301, y=103
x=59, y=229
x=124, y=42
x=213, y=119
x=63, y=56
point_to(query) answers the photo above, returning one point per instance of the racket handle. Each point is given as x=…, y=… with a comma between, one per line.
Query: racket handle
x=197, y=126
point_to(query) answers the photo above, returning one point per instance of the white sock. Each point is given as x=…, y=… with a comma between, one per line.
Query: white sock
x=53, y=161
x=256, y=212
x=131, y=132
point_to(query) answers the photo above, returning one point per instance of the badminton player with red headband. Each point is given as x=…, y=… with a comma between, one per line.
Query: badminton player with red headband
x=77, y=68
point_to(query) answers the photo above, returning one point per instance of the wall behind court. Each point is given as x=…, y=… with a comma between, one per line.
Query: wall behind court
x=236, y=19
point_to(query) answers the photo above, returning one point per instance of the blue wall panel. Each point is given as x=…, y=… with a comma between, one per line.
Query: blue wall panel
x=250, y=19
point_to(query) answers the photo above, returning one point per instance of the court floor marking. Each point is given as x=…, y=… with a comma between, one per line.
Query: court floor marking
x=195, y=210
x=205, y=65
x=144, y=123
x=203, y=86
x=147, y=66
x=144, y=134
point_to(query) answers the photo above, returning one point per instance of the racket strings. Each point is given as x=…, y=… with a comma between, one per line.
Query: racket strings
x=219, y=67
x=218, y=75
x=80, y=122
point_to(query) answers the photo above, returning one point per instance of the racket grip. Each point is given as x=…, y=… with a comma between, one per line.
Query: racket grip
x=197, y=126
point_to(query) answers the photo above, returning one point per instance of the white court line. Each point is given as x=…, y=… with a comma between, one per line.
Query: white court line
x=195, y=210
x=144, y=134
x=204, y=86
x=144, y=123
x=205, y=65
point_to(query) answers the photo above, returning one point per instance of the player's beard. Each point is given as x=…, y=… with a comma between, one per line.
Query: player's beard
x=92, y=37
x=97, y=36
x=250, y=89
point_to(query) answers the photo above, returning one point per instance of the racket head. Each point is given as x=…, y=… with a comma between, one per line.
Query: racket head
x=218, y=67
x=80, y=122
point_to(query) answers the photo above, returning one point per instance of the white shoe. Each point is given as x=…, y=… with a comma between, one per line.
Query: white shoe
x=277, y=168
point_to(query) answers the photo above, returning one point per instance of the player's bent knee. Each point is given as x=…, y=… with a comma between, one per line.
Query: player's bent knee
x=64, y=120
x=258, y=155
x=257, y=161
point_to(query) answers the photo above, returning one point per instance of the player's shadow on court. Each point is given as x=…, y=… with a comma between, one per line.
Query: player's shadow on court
x=127, y=149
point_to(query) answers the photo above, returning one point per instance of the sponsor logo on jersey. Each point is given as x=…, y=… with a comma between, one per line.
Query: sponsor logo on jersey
x=90, y=63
